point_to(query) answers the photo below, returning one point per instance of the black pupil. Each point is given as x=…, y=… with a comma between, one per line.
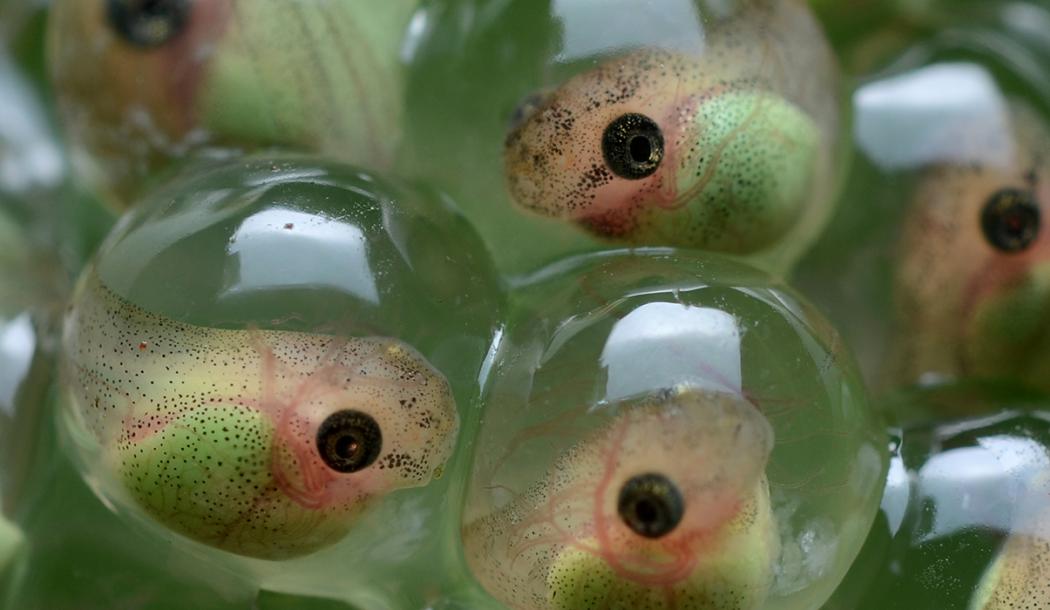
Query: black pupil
x=641, y=149
x=1010, y=220
x=347, y=446
x=349, y=441
x=651, y=505
x=633, y=146
x=646, y=512
x=147, y=23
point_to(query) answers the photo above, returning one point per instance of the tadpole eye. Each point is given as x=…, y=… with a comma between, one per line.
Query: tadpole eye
x=651, y=505
x=633, y=146
x=147, y=23
x=349, y=441
x=1010, y=220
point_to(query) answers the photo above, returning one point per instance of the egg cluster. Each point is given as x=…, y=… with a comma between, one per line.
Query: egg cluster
x=491, y=305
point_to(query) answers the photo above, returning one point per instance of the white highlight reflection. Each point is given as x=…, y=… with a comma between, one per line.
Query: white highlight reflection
x=662, y=345
x=17, y=342
x=944, y=113
x=31, y=159
x=980, y=486
x=278, y=248
x=601, y=27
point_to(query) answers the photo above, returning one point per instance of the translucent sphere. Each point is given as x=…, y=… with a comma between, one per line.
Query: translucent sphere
x=666, y=430
x=973, y=281
x=278, y=355
x=937, y=270
x=711, y=125
x=141, y=84
x=964, y=521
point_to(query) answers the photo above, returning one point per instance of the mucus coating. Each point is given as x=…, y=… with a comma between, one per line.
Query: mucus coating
x=217, y=434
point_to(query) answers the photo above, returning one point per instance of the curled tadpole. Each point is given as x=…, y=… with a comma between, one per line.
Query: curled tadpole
x=659, y=147
x=263, y=443
x=973, y=277
x=666, y=507
x=142, y=84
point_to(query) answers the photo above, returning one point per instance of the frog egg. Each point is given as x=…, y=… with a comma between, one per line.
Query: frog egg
x=964, y=520
x=268, y=353
x=937, y=270
x=921, y=285
x=668, y=430
x=143, y=84
x=973, y=284
x=714, y=126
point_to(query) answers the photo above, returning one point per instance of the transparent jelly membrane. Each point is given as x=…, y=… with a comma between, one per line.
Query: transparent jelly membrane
x=668, y=430
x=700, y=124
x=141, y=85
x=963, y=522
x=933, y=272
x=263, y=443
x=1020, y=574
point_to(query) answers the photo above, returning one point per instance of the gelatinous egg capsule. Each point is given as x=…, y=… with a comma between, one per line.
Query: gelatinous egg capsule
x=663, y=148
x=1018, y=577
x=141, y=83
x=973, y=283
x=263, y=443
x=665, y=507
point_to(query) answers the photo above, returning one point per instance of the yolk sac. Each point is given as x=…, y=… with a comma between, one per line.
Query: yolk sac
x=263, y=443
